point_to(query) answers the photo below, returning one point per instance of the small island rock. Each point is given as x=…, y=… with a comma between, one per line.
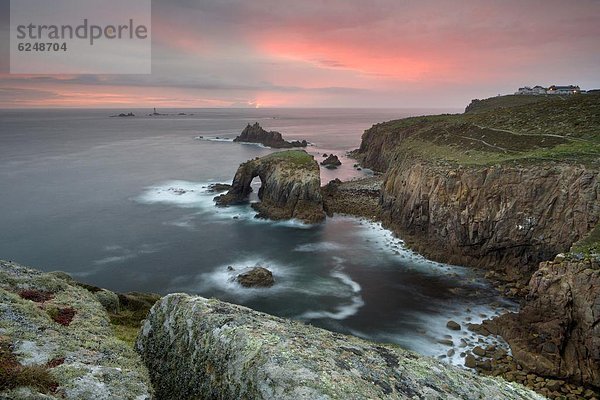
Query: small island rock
x=256, y=277
x=331, y=162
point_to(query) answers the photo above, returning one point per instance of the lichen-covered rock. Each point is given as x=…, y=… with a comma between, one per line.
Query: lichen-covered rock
x=60, y=328
x=290, y=186
x=198, y=348
x=557, y=332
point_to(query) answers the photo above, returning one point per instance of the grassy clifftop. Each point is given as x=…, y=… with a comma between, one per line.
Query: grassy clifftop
x=505, y=129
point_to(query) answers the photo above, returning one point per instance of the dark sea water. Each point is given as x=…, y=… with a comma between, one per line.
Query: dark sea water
x=99, y=198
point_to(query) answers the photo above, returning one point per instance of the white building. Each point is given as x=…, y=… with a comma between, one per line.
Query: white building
x=563, y=89
x=531, y=90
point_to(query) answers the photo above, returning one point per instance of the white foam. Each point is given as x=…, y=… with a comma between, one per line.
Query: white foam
x=341, y=311
x=213, y=139
x=123, y=253
x=198, y=196
x=180, y=193
x=318, y=247
x=114, y=259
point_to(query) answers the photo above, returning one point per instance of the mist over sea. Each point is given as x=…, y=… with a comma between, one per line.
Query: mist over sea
x=121, y=203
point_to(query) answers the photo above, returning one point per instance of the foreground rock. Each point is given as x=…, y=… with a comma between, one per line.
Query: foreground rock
x=56, y=342
x=331, y=162
x=256, y=277
x=290, y=187
x=256, y=134
x=557, y=333
x=199, y=348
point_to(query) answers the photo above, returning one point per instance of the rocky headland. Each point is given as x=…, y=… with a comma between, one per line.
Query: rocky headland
x=506, y=187
x=256, y=134
x=290, y=187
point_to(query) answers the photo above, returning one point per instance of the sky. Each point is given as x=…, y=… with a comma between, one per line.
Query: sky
x=334, y=53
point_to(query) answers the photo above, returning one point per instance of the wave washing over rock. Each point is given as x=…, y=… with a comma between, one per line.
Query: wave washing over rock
x=200, y=348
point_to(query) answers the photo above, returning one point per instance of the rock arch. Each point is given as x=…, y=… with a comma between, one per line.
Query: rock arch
x=290, y=186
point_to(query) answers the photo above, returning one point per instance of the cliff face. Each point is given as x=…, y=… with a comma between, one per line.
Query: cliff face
x=199, y=348
x=499, y=217
x=256, y=134
x=505, y=186
x=290, y=187
x=56, y=342
x=557, y=333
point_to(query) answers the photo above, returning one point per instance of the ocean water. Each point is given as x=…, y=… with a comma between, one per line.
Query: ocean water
x=122, y=203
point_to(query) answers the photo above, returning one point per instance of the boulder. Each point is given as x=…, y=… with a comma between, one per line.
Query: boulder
x=256, y=134
x=453, y=325
x=290, y=187
x=201, y=348
x=256, y=277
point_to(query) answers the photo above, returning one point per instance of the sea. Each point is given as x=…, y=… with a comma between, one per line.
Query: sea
x=122, y=203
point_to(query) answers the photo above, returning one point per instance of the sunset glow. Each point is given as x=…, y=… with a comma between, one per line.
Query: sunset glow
x=345, y=54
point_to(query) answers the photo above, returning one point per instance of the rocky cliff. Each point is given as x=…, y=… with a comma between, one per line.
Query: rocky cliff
x=256, y=134
x=507, y=218
x=505, y=187
x=56, y=342
x=199, y=348
x=290, y=186
x=557, y=333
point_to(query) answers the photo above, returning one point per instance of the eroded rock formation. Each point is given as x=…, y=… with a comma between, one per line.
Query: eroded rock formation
x=256, y=134
x=557, y=332
x=199, y=348
x=290, y=186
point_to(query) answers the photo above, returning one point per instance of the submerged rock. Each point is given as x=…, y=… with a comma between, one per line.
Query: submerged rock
x=256, y=277
x=200, y=348
x=290, y=187
x=218, y=187
x=256, y=134
x=56, y=335
x=453, y=325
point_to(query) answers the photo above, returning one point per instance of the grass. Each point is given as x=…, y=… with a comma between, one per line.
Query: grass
x=508, y=129
x=590, y=244
x=297, y=157
x=14, y=375
x=134, y=308
x=494, y=103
